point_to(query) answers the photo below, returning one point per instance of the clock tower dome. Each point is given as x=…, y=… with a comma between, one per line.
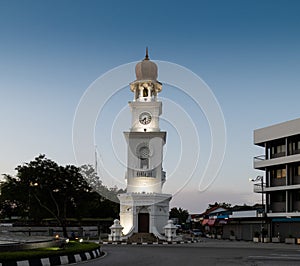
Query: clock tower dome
x=144, y=208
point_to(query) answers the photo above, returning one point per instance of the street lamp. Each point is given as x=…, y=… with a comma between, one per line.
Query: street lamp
x=261, y=179
x=31, y=185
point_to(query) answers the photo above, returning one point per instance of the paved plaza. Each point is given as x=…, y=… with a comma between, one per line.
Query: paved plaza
x=208, y=252
x=7, y=238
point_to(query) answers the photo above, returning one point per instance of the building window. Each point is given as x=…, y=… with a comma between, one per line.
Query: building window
x=278, y=150
x=144, y=163
x=143, y=153
x=278, y=173
x=296, y=146
x=296, y=170
x=278, y=196
x=281, y=173
x=294, y=174
x=145, y=92
x=296, y=195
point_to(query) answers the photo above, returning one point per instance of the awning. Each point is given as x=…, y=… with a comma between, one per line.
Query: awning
x=211, y=222
x=222, y=216
x=284, y=219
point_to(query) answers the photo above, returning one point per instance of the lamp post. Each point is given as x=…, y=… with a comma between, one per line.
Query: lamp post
x=31, y=185
x=261, y=179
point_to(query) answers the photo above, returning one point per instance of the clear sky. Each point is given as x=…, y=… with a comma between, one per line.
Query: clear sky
x=51, y=51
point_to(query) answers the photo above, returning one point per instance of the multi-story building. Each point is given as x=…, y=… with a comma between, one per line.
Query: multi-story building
x=281, y=179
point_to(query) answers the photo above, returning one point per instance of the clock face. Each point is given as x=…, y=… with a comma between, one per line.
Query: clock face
x=145, y=118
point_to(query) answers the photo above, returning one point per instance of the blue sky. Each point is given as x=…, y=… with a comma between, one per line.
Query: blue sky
x=51, y=51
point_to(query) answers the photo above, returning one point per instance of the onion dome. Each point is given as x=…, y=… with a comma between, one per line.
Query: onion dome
x=146, y=70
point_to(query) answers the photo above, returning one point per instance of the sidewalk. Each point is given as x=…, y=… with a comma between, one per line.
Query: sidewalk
x=207, y=242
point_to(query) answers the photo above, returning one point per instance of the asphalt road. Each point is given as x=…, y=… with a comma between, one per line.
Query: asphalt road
x=212, y=252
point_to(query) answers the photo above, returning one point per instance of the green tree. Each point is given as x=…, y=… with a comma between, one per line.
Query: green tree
x=44, y=188
x=9, y=204
x=106, y=203
x=180, y=214
x=97, y=185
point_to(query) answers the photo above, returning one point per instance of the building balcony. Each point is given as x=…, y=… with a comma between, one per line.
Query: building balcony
x=295, y=180
x=278, y=155
x=260, y=162
x=259, y=188
x=296, y=206
x=276, y=182
x=259, y=158
x=277, y=207
x=297, y=151
x=280, y=188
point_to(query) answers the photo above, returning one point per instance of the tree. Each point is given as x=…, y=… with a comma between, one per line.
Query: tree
x=180, y=214
x=106, y=202
x=96, y=184
x=42, y=187
x=220, y=205
x=9, y=204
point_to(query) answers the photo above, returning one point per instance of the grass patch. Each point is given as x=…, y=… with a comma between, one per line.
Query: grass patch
x=71, y=248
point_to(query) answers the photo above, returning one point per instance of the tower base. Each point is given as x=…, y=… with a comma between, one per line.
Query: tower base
x=144, y=213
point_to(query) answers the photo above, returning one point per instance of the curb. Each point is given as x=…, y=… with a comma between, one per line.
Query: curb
x=57, y=260
x=151, y=243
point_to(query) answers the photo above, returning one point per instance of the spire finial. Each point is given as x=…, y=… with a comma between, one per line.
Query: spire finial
x=146, y=56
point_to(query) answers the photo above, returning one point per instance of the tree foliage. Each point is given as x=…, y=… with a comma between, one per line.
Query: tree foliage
x=106, y=202
x=180, y=214
x=44, y=189
x=96, y=184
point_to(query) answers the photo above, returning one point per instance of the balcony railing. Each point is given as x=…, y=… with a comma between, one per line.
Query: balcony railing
x=145, y=173
x=277, y=155
x=259, y=158
x=259, y=188
x=275, y=182
x=297, y=151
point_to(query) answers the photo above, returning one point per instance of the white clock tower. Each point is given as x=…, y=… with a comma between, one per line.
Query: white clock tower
x=144, y=208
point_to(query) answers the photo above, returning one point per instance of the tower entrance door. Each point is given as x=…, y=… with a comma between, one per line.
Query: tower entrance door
x=143, y=222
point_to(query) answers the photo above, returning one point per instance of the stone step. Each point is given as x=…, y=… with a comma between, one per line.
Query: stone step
x=142, y=238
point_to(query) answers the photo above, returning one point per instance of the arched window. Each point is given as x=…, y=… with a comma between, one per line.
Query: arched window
x=145, y=92
x=143, y=154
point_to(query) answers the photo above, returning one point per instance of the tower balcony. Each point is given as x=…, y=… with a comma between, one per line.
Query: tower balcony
x=145, y=173
x=140, y=173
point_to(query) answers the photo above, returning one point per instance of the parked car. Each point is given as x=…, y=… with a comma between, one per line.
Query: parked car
x=196, y=232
